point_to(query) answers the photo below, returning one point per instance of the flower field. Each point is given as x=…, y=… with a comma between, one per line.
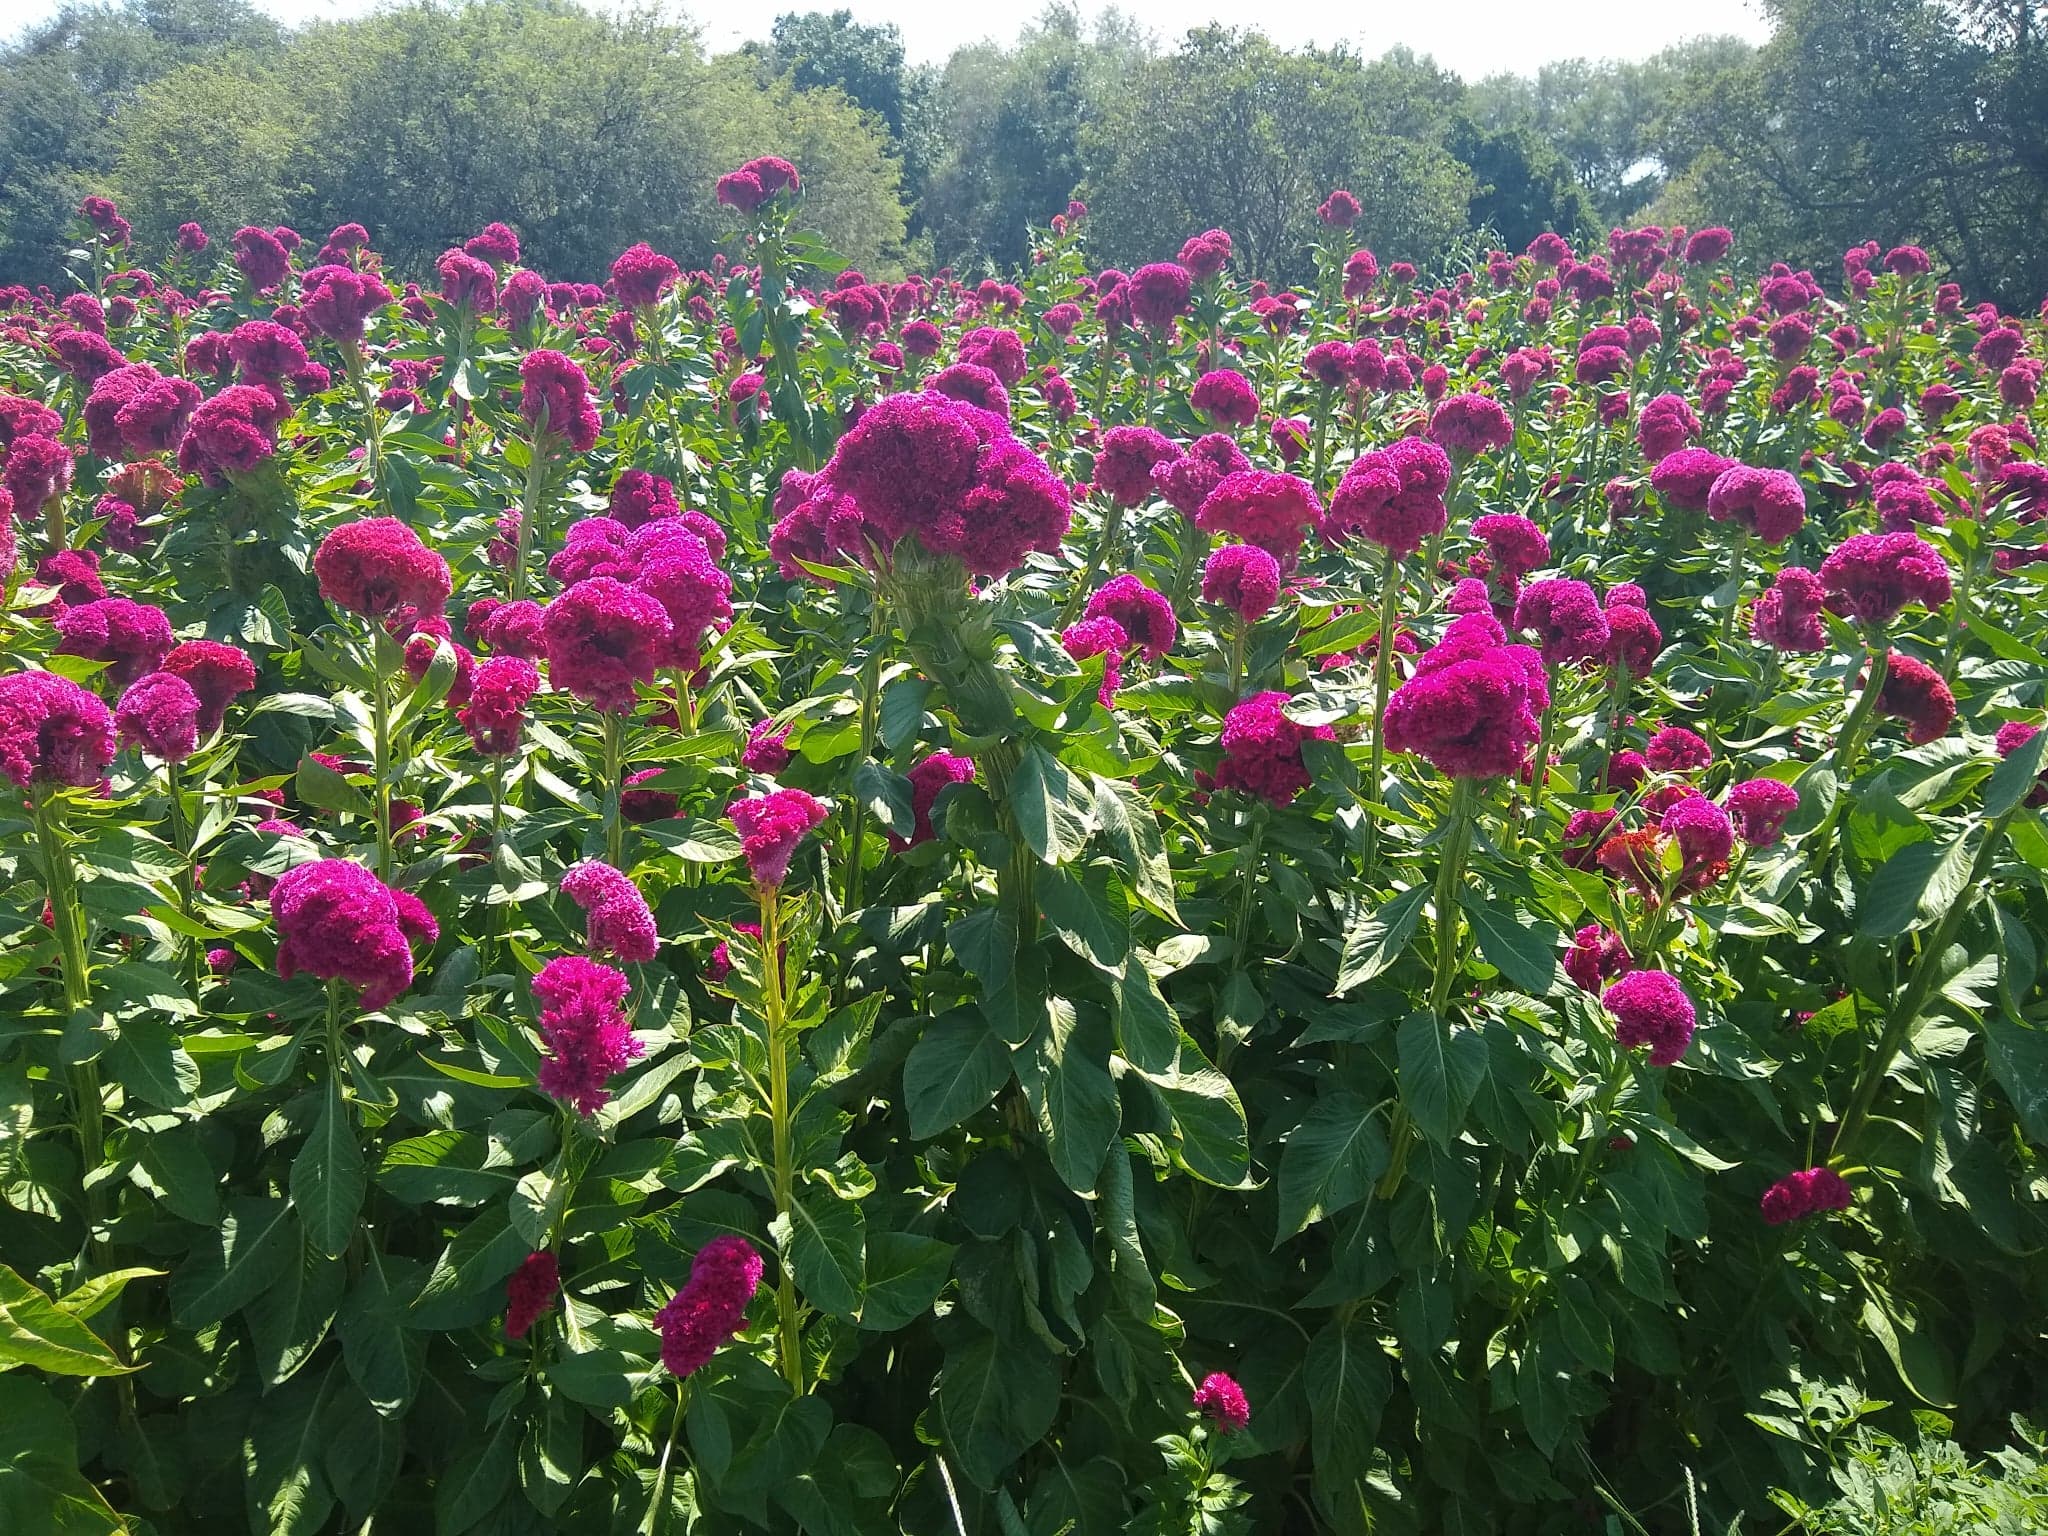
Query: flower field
x=757, y=900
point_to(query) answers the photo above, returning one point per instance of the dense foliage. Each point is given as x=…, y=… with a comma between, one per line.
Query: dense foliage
x=752, y=900
x=1911, y=119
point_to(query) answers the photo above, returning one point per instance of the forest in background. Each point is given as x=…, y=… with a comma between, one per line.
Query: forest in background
x=1920, y=120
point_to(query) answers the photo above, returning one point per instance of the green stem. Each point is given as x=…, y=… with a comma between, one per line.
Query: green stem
x=1960, y=628
x=614, y=783
x=1737, y=556
x=870, y=713
x=781, y=1114
x=656, y=1520
x=1617, y=707
x=1849, y=745
x=1112, y=522
x=373, y=436
x=530, y=502
x=182, y=839
x=1620, y=1068
x=1919, y=988
x=87, y=1107
x=1382, y=687
x=1539, y=772
x=380, y=728
x=1247, y=903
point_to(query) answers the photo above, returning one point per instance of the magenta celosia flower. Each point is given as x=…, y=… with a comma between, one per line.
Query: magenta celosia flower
x=694, y=593
x=934, y=774
x=260, y=257
x=1674, y=749
x=1123, y=467
x=135, y=410
x=1221, y=1400
x=1185, y=482
x=1206, y=254
x=1707, y=246
x=1566, y=619
x=265, y=352
x=1099, y=637
x=1584, y=833
x=1514, y=545
x=1685, y=477
x=1159, y=293
x=1633, y=638
x=52, y=731
x=518, y=629
x=1664, y=426
x=1915, y=693
x=741, y=190
x=133, y=638
x=217, y=674
x=995, y=348
x=530, y=1293
x=711, y=1306
x=1760, y=808
x=1768, y=502
x=1361, y=271
x=1873, y=576
x=617, y=918
x=1392, y=497
x=1242, y=578
x=337, y=920
x=1339, y=210
x=1470, y=424
x=1650, y=1008
x=159, y=713
x=770, y=827
x=584, y=1026
x=594, y=546
x=555, y=400
x=1809, y=1192
x=1473, y=707
x=21, y=417
x=639, y=497
x=641, y=275
x=378, y=566
x=1145, y=616
x=468, y=281
x=233, y=433
x=494, y=714
x=1705, y=839
x=1226, y=398
x=1264, y=508
x=1596, y=956
x=337, y=301
x=1262, y=749
x=37, y=469
x=1788, y=615
x=767, y=749
x=604, y=638
x=975, y=385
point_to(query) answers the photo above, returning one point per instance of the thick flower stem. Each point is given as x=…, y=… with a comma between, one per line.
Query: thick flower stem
x=1382, y=687
x=1737, y=556
x=656, y=1520
x=88, y=1109
x=1617, y=707
x=1959, y=628
x=1450, y=875
x=870, y=718
x=614, y=788
x=1539, y=772
x=182, y=840
x=1849, y=745
x=1098, y=559
x=382, y=664
x=1919, y=988
x=531, y=499
x=373, y=444
x=781, y=1115
x=1320, y=459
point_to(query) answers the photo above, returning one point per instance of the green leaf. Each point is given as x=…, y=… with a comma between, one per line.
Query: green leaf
x=1376, y=939
x=701, y=842
x=1915, y=886
x=1146, y=1031
x=828, y=1249
x=35, y=1331
x=1214, y=1142
x=1441, y=1067
x=1348, y=1384
x=2015, y=775
x=1130, y=831
x=1054, y=810
x=41, y=1489
x=288, y=1321
x=1330, y=1161
x=149, y=1062
x=905, y=1273
x=956, y=1068
x=471, y=1488
x=2018, y=1057
x=1088, y=909
x=328, y=1181
x=382, y=1356
x=320, y=786
x=886, y=794
x=1523, y=951
x=1923, y=1365
x=255, y=1245
x=286, y=1482
x=994, y=1403
x=94, y=1294
x=1064, y=1069
x=901, y=716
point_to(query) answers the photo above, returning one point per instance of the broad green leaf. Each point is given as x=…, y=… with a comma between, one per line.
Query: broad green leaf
x=1130, y=831
x=149, y=1062
x=1441, y=1066
x=1146, y=1031
x=994, y=1403
x=955, y=1069
x=1054, y=809
x=886, y=794
x=1914, y=887
x=2018, y=1057
x=1348, y=1384
x=35, y=1331
x=1089, y=910
x=1064, y=1069
x=905, y=1273
x=288, y=1321
x=1214, y=1142
x=41, y=1489
x=471, y=1488
x=1376, y=939
x=96, y=1293
x=1523, y=951
x=257, y=1242
x=828, y=1249
x=327, y=1181
x=1330, y=1161
x=2014, y=777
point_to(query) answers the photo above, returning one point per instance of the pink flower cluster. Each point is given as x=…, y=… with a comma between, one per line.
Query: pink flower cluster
x=1262, y=749
x=1474, y=703
x=336, y=919
x=584, y=1026
x=770, y=827
x=618, y=921
x=711, y=1306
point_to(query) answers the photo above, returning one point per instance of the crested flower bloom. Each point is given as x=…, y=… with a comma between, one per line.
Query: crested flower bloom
x=260, y=257
x=996, y=348
x=1185, y=482
x=1596, y=956
x=1145, y=616
x=1514, y=546
x=1392, y=496
x=1915, y=693
x=1788, y=615
x=934, y=774
x=1123, y=466
x=1633, y=638
x=1102, y=637
x=1767, y=502
x=555, y=400
x=1339, y=210
x=1566, y=619
x=337, y=920
x=159, y=713
x=1650, y=1008
x=1584, y=833
x=711, y=1306
x=584, y=1026
x=1264, y=508
x=1221, y=1401
x=1674, y=749
x=1685, y=477
x=1705, y=839
x=1760, y=808
x=530, y=1293
x=232, y=434
x=1262, y=749
x=603, y=639
x=767, y=749
x=338, y=301
x=52, y=731
x=133, y=638
x=616, y=915
x=1809, y=1192
x=1243, y=578
x=377, y=566
x=692, y=590
x=1159, y=293
x=494, y=714
x=1468, y=425
x=1473, y=706
x=1873, y=576
x=218, y=675
x=770, y=827
x=1226, y=398
x=36, y=470
x=1664, y=426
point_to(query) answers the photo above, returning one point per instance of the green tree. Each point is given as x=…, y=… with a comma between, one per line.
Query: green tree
x=829, y=50
x=1523, y=186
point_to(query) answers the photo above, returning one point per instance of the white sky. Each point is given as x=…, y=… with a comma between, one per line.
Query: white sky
x=1475, y=38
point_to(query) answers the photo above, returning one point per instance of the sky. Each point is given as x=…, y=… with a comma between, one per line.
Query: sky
x=1475, y=38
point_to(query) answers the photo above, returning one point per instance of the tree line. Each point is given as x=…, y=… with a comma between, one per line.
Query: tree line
x=1921, y=120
